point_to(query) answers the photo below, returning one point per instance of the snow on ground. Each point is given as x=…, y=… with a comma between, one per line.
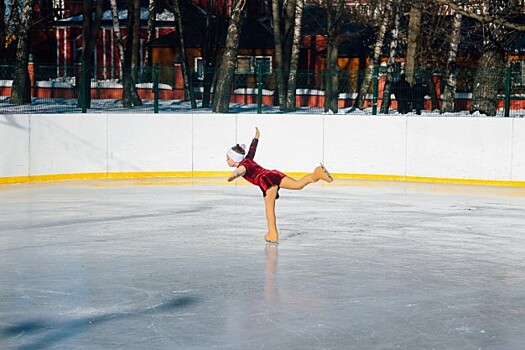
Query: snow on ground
x=60, y=105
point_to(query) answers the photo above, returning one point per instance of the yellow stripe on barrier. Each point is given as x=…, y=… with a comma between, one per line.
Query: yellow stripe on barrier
x=224, y=174
x=105, y=176
x=441, y=180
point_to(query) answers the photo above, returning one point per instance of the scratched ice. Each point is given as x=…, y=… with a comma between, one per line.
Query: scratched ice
x=176, y=265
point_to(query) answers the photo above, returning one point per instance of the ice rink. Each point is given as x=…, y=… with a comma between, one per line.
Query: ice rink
x=182, y=264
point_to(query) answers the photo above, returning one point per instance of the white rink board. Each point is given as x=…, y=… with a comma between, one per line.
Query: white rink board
x=518, y=150
x=14, y=143
x=212, y=136
x=143, y=143
x=469, y=148
x=462, y=148
x=68, y=144
x=365, y=145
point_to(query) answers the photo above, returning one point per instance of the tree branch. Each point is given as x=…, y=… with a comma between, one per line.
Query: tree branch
x=480, y=17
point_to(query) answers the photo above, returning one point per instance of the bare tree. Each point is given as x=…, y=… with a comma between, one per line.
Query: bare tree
x=500, y=18
x=21, y=91
x=488, y=80
x=14, y=16
x=391, y=60
x=188, y=86
x=496, y=22
x=287, y=18
x=279, y=55
x=222, y=93
x=414, y=28
x=3, y=25
x=134, y=28
x=367, y=79
x=215, y=17
x=130, y=97
x=294, y=59
x=333, y=37
x=90, y=27
x=152, y=7
x=118, y=34
x=449, y=91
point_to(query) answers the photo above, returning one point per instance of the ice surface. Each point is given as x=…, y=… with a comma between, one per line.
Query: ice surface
x=183, y=265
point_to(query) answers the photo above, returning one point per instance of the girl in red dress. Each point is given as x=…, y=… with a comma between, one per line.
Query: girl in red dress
x=269, y=181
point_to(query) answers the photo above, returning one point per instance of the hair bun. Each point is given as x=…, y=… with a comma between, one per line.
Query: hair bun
x=239, y=149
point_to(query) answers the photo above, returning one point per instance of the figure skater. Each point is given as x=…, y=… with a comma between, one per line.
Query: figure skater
x=269, y=181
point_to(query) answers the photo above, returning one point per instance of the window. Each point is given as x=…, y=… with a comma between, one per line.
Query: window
x=199, y=68
x=250, y=64
x=244, y=65
x=518, y=73
x=58, y=8
x=265, y=62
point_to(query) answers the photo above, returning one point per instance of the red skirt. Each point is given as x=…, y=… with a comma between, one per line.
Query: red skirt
x=269, y=179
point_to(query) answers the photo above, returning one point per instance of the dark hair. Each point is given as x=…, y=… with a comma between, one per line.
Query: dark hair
x=238, y=149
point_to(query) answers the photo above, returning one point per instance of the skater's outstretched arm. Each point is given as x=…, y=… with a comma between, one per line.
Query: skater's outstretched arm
x=253, y=145
x=240, y=171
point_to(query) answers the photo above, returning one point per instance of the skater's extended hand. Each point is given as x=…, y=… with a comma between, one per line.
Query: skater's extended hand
x=240, y=171
x=257, y=133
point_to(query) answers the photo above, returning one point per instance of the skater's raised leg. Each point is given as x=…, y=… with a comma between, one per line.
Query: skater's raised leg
x=320, y=173
x=269, y=201
x=293, y=184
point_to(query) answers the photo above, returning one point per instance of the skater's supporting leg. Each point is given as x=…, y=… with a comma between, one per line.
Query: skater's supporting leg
x=269, y=202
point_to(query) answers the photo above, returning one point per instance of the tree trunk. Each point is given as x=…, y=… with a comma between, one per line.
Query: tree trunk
x=290, y=14
x=490, y=74
x=367, y=79
x=488, y=81
x=294, y=60
x=385, y=105
x=14, y=18
x=3, y=26
x=118, y=35
x=188, y=86
x=21, y=91
x=209, y=52
x=221, y=96
x=449, y=91
x=151, y=28
x=333, y=33
x=414, y=28
x=130, y=97
x=135, y=48
x=279, y=59
x=331, y=78
x=90, y=28
x=287, y=41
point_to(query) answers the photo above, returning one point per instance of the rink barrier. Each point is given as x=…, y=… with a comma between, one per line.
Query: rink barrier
x=461, y=150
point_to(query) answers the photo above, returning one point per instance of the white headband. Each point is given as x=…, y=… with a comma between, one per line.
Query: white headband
x=236, y=157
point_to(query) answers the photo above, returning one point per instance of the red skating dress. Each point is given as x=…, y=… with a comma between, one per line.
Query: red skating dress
x=258, y=175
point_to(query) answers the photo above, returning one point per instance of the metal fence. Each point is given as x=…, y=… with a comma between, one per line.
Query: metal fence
x=54, y=89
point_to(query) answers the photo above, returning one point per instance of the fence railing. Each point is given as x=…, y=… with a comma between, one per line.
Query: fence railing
x=54, y=89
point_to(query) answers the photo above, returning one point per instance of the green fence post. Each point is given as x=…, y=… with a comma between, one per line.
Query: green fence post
x=507, y=92
x=83, y=92
x=376, y=84
x=259, y=88
x=156, y=88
